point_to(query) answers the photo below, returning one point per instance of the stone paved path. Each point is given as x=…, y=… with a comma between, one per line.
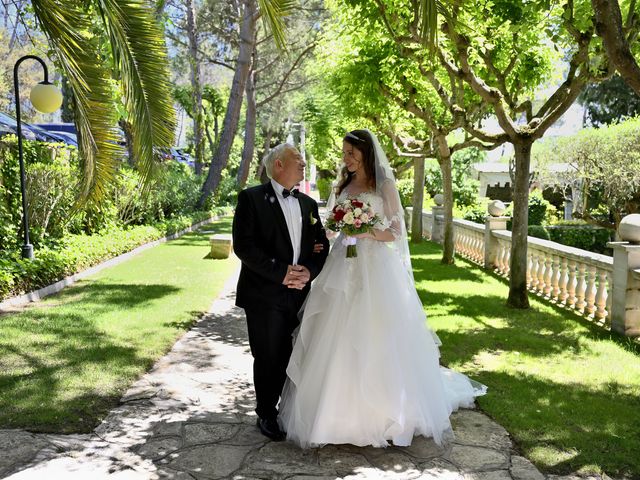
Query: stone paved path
x=191, y=417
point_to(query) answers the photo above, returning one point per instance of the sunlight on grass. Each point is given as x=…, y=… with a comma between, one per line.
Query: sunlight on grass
x=66, y=361
x=566, y=390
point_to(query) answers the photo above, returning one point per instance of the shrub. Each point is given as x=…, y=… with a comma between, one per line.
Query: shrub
x=78, y=252
x=585, y=237
x=405, y=190
x=540, y=210
x=324, y=187
x=539, y=231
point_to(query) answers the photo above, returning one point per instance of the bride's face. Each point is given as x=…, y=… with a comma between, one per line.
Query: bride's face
x=351, y=157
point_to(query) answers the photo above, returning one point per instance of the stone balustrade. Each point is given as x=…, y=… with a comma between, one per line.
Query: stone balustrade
x=602, y=288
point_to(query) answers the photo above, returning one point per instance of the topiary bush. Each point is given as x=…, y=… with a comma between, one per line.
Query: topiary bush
x=324, y=188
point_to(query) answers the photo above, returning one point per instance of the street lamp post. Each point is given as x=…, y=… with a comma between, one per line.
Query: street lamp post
x=46, y=98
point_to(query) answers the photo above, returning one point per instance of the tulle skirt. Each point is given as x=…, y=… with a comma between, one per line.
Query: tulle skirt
x=365, y=367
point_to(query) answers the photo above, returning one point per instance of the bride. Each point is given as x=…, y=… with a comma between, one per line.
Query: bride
x=365, y=367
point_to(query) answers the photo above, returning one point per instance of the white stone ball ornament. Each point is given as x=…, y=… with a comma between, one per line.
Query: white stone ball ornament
x=629, y=228
x=439, y=199
x=496, y=208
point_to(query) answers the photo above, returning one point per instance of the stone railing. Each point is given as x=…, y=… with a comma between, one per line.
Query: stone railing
x=602, y=288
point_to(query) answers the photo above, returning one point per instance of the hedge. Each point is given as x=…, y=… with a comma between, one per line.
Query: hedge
x=78, y=252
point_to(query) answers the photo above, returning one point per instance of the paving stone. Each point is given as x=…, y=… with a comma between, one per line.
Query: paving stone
x=343, y=462
x=422, y=448
x=471, y=427
x=158, y=448
x=214, y=461
x=396, y=463
x=202, y=433
x=247, y=435
x=523, y=469
x=282, y=458
x=477, y=458
x=492, y=475
x=169, y=429
x=18, y=448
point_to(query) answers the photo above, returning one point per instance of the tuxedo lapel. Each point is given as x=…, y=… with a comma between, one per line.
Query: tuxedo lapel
x=272, y=200
x=306, y=222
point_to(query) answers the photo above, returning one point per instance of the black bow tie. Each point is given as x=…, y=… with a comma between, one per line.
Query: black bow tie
x=294, y=193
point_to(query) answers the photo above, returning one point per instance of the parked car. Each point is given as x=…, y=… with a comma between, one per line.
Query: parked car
x=67, y=127
x=174, y=154
x=9, y=126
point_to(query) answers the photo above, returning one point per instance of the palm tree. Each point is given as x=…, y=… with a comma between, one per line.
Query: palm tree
x=137, y=46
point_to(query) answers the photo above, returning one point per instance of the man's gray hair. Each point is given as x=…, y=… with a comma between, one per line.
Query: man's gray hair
x=274, y=154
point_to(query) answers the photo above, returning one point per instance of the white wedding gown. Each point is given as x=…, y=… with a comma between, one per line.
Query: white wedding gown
x=365, y=367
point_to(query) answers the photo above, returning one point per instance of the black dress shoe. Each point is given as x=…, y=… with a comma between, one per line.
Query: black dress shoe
x=270, y=428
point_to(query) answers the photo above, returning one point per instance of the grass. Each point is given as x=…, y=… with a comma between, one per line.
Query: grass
x=65, y=362
x=566, y=390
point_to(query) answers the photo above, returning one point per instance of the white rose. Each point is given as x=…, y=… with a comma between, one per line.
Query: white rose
x=348, y=218
x=357, y=212
x=364, y=217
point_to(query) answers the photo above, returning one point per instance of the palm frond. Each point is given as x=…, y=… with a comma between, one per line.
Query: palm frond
x=66, y=25
x=428, y=13
x=274, y=13
x=140, y=51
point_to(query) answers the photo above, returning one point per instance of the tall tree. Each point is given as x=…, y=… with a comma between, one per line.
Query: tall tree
x=249, y=11
x=196, y=84
x=609, y=101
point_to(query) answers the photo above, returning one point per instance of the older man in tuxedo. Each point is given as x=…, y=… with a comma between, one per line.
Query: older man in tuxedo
x=278, y=236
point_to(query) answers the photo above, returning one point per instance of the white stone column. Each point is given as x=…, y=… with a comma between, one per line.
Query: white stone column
x=625, y=302
x=494, y=221
x=491, y=246
x=437, y=219
x=437, y=225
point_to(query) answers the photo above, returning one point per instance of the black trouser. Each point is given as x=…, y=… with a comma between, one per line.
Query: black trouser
x=270, y=340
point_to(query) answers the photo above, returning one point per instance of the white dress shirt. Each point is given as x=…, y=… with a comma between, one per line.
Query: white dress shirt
x=293, y=216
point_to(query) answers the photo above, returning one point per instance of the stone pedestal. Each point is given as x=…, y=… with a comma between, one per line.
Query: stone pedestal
x=437, y=228
x=221, y=244
x=491, y=243
x=625, y=303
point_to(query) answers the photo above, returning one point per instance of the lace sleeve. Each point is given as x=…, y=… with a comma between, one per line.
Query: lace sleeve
x=392, y=219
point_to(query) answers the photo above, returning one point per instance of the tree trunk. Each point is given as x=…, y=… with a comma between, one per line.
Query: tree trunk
x=261, y=173
x=249, y=133
x=448, y=240
x=68, y=103
x=444, y=160
x=128, y=137
x=518, y=297
x=417, y=199
x=609, y=27
x=230, y=123
x=196, y=86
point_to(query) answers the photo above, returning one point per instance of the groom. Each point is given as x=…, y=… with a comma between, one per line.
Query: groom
x=275, y=229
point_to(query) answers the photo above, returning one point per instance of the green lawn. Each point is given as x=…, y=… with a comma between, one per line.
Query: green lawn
x=566, y=390
x=66, y=362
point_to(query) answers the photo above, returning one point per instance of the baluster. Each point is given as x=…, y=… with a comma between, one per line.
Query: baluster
x=580, y=287
x=541, y=272
x=590, y=290
x=529, y=268
x=607, y=320
x=503, y=257
x=564, y=277
x=555, y=277
x=479, y=249
x=548, y=275
x=601, y=300
x=508, y=260
x=535, y=265
x=571, y=284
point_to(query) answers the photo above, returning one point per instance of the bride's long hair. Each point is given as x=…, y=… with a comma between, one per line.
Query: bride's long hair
x=360, y=140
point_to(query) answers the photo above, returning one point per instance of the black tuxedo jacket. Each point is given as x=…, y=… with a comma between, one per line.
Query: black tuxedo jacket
x=261, y=240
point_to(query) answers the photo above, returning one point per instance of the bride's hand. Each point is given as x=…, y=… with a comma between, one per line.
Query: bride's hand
x=330, y=234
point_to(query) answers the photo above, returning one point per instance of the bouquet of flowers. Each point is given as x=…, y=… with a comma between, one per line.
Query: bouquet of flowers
x=352, y=216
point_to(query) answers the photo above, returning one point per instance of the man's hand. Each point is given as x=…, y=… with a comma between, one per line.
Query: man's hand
x=297, y=277
x=318, y=247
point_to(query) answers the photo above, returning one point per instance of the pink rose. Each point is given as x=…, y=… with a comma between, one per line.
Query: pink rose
x=357, y=223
